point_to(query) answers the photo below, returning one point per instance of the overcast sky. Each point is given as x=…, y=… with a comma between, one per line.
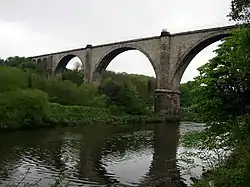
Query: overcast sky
x=33, y=27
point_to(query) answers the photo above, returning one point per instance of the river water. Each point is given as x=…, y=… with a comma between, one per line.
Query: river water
x=99, y=155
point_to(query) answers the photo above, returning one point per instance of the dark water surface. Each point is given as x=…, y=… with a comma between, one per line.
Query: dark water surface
x=101, y=155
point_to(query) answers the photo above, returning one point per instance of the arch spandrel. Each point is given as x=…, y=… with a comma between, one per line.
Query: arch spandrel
x=193, y=46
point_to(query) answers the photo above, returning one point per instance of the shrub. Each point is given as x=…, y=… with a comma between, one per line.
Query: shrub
x=81, y=115
x=78, y=114
x=69, y=93
x=23, y=108
x=125, y=97
x=12, y=78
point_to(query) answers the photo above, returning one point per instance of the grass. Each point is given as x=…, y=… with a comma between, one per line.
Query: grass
x=81, y=115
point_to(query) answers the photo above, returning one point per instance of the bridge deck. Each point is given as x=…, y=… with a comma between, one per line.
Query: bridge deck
x=141, y=39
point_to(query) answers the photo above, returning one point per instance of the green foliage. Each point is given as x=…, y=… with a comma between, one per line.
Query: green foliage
x=76, y=76
x=72, y=115
x=125, y=96
x=12, y=78
x=223, y=87
x=68, y=93
x=186, y=101
x=186, y=96
x=2, y=61
x=23, y=108
x=193, y=139
x=16, y=61
x=188, y=115
x=63, y=92
x=233, y=173
x=144, y=85
x=221, y=97
x=121, y=98
x=240, y=10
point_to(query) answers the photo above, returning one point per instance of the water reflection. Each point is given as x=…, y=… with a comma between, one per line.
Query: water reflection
x=93, y=156
x=163, y=170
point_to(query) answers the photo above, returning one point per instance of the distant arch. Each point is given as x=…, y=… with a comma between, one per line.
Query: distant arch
x=39, y=61
x=63, y=63
x=188, y=56
x=114, y=52
x=44, y=60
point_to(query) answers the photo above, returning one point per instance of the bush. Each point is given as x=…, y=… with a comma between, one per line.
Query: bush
x=12, y=78
x=234, y=173
x=124, y=97
x=81, y=115
x=69, y=93
x=23, y=109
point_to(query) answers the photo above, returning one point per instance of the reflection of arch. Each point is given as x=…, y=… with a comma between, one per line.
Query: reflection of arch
x=63, y=62
x=111, y=54
x=188, y=56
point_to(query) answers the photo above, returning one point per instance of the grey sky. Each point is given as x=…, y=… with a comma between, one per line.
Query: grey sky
x=33, y=27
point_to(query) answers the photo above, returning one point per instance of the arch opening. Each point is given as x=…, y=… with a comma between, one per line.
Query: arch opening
x=122, y=60
x=70, y=67
x=39, y=61
x=68, y=62
x=129, y=68
x=203, y=51
x=194, y=58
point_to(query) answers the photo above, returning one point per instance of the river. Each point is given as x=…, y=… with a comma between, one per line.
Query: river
x=99, y=155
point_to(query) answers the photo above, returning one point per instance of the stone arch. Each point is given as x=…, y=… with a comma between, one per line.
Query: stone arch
x=39, y=61
x=189, y=54
x=61, y=65
x=44, y=60
x=114, y=52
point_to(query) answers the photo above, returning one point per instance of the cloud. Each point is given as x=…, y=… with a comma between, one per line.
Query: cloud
x=17, y=39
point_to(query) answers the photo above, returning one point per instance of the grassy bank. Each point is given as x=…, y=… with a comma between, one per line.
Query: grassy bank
x=80, y=115
x=30, y=108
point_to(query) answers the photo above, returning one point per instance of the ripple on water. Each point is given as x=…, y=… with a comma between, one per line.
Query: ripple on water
x=94, y=157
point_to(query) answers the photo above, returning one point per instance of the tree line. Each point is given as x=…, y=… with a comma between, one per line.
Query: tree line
x=131, y=93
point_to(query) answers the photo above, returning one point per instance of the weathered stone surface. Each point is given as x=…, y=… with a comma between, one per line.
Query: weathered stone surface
x=167, y=103
x=168, y=53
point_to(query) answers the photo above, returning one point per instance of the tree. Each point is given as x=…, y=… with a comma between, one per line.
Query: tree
x=76, y=76
x=185, y=97
x=2, y=61
x=224, y=83
x=240, y=10
x=124, y=96
x=144, y=85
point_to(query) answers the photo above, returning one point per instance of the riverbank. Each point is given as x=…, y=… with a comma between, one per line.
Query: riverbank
x=231, y=170
x=60, y=115
x=234, y=172
x=80, y=115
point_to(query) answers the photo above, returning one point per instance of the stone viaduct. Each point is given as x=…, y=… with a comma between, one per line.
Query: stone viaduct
x=169, y=54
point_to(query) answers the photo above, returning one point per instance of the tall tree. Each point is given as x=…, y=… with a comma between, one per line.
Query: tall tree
x=224, y=83
x=240, y=10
